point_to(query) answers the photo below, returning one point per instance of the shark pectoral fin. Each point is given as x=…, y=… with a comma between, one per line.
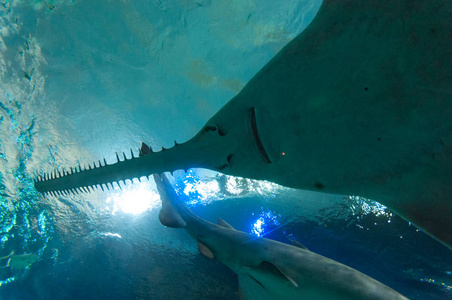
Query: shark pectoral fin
x=205, y=250
x=268, y=267
x=223, y=223
x=299, y=245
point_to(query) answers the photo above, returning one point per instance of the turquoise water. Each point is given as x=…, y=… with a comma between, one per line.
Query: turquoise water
x=81, y=80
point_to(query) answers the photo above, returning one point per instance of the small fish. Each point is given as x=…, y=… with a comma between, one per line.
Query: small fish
x=268, y=269
x=19, y=261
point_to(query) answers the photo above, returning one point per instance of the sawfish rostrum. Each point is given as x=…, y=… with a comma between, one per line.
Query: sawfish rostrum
x=268, y=269
x=359, y=103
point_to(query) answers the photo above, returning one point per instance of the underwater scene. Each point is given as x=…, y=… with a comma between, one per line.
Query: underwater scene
x=83, y=80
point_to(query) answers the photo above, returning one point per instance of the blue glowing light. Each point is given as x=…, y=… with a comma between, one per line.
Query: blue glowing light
x=257, y=227
x=266, y=223
x=196, y=189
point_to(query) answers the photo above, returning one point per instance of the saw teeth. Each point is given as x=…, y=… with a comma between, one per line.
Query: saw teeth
x=115, y=185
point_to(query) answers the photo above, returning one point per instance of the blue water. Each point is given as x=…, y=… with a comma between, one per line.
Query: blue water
x=81, y=80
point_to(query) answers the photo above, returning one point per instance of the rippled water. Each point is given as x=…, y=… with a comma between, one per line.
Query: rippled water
x=81, y=80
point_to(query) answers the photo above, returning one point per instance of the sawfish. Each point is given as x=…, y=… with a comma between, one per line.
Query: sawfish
x=269, y=269
x=359, y=103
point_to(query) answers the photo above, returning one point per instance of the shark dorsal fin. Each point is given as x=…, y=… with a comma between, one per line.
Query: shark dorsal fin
x=223, y=223
x=205, y=250
x=299, y=245
x=268, y=267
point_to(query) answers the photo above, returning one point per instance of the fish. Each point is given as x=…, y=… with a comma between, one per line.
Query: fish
x=19, y=261
x=359, y=103
x=268, y=269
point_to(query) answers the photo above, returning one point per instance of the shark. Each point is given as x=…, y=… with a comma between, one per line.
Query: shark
x=19, y=261
x=359, y=103
x=268, y=269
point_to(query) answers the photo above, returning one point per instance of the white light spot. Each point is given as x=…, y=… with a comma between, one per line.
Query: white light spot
x=134, y=199
x=257, y=227
x=111, y=234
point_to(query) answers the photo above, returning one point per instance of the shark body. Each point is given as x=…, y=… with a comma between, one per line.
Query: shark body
x=268, y=269
x=359, y=103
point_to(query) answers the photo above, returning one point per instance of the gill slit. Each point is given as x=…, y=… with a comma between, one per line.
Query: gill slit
x=258, y=141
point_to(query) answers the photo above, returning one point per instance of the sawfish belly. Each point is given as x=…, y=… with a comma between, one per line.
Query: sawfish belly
x=359, y=103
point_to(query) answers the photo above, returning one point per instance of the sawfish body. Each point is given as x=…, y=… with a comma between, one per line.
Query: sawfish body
x=359, y=103
x=268, y=269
